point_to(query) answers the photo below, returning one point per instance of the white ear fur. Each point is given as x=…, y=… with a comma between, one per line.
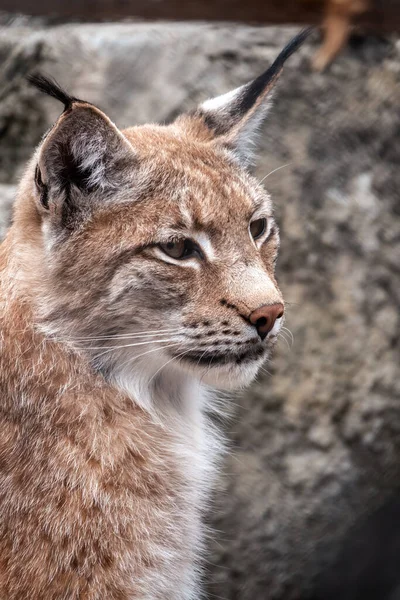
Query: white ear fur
x=242, y=137
x=221, y=102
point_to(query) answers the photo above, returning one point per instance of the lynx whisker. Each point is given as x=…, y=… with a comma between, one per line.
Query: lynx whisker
x=282, y=337
x=289, y=332
x=198, y=362
x=264, y=370
x=152, y=333
x=208, y=368
x=287, y=336
x=132, y=359
x=274, y=171
x=108, y=349
x=168, y=362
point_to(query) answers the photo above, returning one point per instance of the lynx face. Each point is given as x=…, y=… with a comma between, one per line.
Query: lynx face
x=159, y=247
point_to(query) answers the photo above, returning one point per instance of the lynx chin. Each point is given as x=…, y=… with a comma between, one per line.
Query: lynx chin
x=137, y=276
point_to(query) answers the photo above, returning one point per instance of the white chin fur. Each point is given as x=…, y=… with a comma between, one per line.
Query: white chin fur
x=143, y=384
x=227, y=377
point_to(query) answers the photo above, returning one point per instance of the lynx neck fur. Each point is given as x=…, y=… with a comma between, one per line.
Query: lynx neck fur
x=137, y=277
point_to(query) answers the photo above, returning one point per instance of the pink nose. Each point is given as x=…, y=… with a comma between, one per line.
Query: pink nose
x=264, y=317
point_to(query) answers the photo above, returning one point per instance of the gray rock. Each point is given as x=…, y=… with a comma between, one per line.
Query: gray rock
x=316, y=442
x=7, y=195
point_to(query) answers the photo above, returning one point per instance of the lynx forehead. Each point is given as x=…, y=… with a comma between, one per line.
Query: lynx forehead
x=138, y=273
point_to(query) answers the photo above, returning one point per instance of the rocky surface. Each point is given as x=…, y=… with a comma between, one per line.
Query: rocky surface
x=7, y=194
x=316, y=444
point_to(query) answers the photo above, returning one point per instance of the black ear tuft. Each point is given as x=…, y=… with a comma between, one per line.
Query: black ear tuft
x=290, y=49
x=49, y=86
x=266, y=79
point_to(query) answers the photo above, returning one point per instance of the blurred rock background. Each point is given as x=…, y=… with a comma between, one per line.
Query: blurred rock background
x=315, y=442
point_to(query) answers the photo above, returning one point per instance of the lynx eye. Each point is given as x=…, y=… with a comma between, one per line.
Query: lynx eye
x=257, y=228
x=182, y=248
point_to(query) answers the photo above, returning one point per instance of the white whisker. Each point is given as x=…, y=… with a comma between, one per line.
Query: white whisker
x=125, y=335
x=264, y=370
x=287, y=335
x=169, y=361
x=198, y=362
x=148, y=352
x=110, y=348
x=274, y=171
x=282, y=337
x=289, y=332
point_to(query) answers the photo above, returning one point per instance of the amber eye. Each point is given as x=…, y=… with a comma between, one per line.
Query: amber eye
x=257, y=228
x=180, y=249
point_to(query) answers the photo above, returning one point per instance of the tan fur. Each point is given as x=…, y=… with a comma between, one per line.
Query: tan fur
x=106, y=451
x=94, y=501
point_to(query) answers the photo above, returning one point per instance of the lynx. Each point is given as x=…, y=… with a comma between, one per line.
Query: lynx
x=137, y=277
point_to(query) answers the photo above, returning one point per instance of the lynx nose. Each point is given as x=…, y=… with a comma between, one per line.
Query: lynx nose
x=264, y=317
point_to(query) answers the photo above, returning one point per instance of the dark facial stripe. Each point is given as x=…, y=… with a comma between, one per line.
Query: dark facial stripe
x=122, y=258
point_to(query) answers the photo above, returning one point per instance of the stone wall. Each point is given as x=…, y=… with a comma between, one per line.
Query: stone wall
x=315, y=442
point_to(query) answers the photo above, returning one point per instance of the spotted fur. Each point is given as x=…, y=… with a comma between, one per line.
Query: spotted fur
x=110, y=347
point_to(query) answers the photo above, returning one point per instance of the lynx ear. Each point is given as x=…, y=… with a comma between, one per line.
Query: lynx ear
x=235, y=117
x=83, y=159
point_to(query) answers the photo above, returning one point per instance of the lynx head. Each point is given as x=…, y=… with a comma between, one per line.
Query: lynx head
x=157, y=246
